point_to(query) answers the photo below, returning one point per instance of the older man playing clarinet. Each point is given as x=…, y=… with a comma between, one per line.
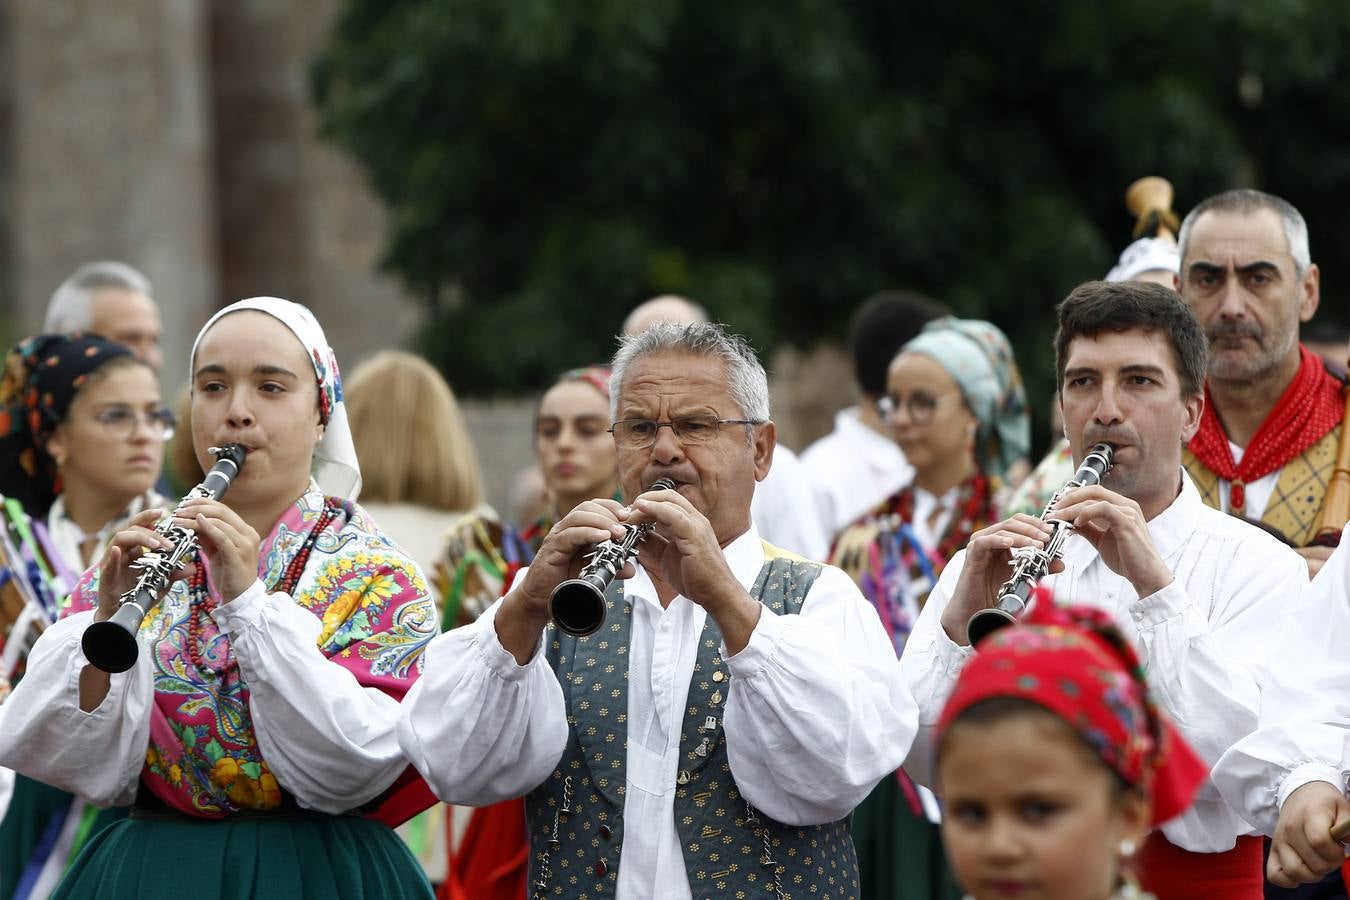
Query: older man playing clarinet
x=712, y=737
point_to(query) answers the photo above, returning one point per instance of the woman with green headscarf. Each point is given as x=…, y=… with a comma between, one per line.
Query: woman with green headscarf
x=955, y=404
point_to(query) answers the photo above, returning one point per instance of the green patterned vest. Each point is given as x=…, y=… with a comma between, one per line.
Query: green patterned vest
x=730, y=850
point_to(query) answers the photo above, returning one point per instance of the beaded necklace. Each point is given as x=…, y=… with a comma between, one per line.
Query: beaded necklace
x=977, y=508
x=201, y=604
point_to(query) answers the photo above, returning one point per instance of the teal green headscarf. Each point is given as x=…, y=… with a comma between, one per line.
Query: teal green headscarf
x=979, y=359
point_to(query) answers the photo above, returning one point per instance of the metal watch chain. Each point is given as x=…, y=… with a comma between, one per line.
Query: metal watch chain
x=554, y=843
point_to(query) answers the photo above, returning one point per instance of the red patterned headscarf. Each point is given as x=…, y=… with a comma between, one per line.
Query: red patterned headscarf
x=596, y=376
x=1077, y=665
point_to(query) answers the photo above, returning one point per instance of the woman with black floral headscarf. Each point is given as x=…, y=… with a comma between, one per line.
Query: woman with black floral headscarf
x=82, y=432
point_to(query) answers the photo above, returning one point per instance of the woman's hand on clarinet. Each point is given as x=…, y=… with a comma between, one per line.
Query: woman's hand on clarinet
x=1303, y=849
x=229, y=543
x=989, y=563
x=115, y=575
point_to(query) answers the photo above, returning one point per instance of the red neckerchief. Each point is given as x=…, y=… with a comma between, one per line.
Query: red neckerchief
x=1308, y=409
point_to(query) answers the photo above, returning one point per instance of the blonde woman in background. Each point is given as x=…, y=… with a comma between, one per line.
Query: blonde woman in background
x=181, y=469
x=422, y=483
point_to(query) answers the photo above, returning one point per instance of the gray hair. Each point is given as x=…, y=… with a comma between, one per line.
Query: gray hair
x=746, y=381
x=1245, y=201
x=71, y=306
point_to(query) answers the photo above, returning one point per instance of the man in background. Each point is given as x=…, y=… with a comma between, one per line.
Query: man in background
x=1272, y=419
x=111, y=299
x=858, y=465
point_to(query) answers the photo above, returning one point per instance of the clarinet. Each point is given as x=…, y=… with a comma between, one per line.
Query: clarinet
x=1030, y=564
x=111, y=645
x=577, y=605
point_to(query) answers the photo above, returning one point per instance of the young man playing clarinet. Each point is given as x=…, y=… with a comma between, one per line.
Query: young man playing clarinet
x=736, y=703
x=1199, y=592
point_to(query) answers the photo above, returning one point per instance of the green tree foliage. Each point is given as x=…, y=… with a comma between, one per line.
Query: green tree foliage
x=550, y=163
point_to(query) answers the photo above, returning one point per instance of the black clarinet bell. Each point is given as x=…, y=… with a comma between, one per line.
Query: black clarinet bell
x=111, y=645
x=578, y=607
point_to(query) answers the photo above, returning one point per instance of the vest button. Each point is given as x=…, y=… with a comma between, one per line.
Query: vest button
x=719, y=676
x=605, y=832
x=601, y=869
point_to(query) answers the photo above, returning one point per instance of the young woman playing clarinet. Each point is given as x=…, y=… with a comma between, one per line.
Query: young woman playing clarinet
x=255, y=735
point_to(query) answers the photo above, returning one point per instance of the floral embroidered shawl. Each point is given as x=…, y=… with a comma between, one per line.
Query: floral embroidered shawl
x=883, y=556
x=203, y=758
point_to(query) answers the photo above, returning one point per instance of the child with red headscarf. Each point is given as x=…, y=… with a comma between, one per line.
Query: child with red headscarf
x=1054, y=763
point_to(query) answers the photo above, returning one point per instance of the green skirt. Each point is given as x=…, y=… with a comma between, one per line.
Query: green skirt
x=291, y=856
x=899, y=853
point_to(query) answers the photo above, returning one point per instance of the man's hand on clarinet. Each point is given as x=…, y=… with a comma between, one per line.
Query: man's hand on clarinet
x=989, y=563
x=1303, y=849
x=525, y=611
x=683, y=551
x=1115, y=525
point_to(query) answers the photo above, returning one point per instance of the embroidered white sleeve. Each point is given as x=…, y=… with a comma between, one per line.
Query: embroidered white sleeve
x=479, y=727
x=817, y=712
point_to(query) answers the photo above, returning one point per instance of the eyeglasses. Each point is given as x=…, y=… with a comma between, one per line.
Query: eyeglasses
x=120, y=422
x=636, y=434
x=919, y=407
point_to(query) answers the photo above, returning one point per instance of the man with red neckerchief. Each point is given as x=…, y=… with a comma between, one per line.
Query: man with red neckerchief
x=1272, y=418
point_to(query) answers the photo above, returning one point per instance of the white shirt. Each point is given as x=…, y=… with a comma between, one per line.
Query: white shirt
x=852, y=469
x=1202, y=639
x=784, y=508
x=419, y=531
x=817, y=713
x=932, y=513
x=1304, y=732
x=329, y=740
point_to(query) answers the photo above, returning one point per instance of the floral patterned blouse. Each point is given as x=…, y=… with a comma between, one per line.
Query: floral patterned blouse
x=374, y=618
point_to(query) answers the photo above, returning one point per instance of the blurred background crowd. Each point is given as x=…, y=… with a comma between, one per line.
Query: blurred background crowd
x=477, y=197
x=495, y=187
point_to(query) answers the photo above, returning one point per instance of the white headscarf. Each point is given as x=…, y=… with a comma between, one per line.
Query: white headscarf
x=1146, y=255
x=335, y=466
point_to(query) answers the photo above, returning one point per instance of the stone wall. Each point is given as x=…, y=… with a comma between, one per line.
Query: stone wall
x=9, y=301
x=111, y=152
